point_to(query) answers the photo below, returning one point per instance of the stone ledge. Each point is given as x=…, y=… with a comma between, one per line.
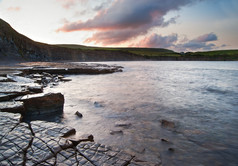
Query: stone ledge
x=41, y=143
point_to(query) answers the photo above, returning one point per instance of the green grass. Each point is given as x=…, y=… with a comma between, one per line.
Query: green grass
x=218, y=53
x=149, y=52
x=159, y=52
x=222, y=54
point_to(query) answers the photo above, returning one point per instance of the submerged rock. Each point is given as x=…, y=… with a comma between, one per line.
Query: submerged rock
x=168, y=124
x=171, y=149
x=79, y=114
x=123, y=124
x=43, y=103
x=164, y=140
x=97, y=104
x=113, y=132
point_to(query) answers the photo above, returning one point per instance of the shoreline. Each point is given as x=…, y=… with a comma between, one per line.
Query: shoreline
x=18, y=90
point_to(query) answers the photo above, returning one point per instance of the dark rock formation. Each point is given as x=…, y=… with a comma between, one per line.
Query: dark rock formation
x=42, y=104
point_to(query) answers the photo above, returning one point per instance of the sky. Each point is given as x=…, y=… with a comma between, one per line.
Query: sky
x=180, y=25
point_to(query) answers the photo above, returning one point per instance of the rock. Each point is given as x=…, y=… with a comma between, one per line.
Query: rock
x=35, y=88
x=6, y=97
x=113, y=132
x=97, y=104
x=43, y=103
x=13, y=87
x=171, y=149
x=69, y=133
x=164, y=140
x=13, y=107
x=20, y=79
x=65, y=79
x=123, y=124
x=78, y=114
x=36, y=75
x=46, y=80
x=83, y=138
x=166, y=123
x=4, y=79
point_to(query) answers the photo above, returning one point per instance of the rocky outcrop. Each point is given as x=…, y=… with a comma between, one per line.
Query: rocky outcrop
x=23, y=91
x=41, y=143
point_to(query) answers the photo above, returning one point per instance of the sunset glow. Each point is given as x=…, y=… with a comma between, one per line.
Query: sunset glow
x=180, y=25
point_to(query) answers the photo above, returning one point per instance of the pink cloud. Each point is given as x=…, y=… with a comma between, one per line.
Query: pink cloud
x=126, y=19
x=14, y=9
x=67, y=4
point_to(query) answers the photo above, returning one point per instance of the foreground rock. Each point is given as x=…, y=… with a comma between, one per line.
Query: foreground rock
x=42, y=104
x=41, y=143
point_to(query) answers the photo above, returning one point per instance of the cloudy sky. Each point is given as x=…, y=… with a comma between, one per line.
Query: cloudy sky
x=180, y=25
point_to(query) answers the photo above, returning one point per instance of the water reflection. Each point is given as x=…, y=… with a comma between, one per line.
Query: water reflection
x=199, y=97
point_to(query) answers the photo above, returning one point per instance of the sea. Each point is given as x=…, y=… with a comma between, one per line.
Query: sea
x=126, y=110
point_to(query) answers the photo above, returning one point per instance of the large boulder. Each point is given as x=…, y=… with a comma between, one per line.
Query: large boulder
x=43, y=103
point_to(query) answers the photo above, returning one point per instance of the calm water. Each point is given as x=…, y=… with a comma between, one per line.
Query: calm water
x=201, y=98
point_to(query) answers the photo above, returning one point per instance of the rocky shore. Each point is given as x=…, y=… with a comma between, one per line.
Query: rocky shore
x=27, y=141
x=21, y=88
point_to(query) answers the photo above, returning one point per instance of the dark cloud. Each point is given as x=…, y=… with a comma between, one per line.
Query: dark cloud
x=193, y=46
x=206, y=38
x=200, y=43
x=128, y=18
x=158, y=41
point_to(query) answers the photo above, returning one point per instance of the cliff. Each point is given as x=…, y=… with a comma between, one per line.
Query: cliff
x=17, y=47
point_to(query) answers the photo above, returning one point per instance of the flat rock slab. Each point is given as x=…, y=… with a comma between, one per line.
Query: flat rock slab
x=13, y=87
x=6, y=97
x=20, y=79
x=68, y=68
x=12, y=106
x=4, y=79
x=40, y=143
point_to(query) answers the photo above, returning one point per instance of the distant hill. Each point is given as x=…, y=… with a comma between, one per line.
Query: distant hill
x=17, y=47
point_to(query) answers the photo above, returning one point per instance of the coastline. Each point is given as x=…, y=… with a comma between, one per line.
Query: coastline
x=24, y=86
